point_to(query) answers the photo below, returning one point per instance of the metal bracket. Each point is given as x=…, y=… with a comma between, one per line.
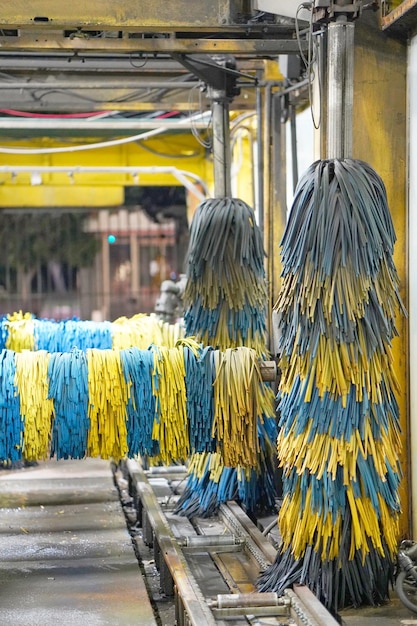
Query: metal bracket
x=219, y=74
x=325, y=11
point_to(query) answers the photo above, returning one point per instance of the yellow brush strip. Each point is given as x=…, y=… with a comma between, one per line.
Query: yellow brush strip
x=301, y=527
x=171, y=429
x=216, y=467
x=143, y=330
x=242, y=286
x=334, y=369
x=237, y=390
x=390, y=526
x=222, y=340
x=323, y=454
x=202, y=462
x=108, y=395
x=310, y=290
x=36, y=409
x=20, y=332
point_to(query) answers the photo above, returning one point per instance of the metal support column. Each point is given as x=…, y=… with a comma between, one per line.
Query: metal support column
x=340, y=53
x=221, y=143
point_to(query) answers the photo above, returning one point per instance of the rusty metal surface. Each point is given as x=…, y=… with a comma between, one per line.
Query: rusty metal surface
x=57, y=41
x=147, y=26
x=239, y=566
x=196, y=609
x=401, y=20
x=132, y=14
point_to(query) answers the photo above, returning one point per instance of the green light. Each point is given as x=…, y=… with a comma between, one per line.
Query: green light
x=111, y=238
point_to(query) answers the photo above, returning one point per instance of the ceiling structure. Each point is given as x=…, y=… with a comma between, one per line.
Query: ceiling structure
x=127, y=57
x=125, y=60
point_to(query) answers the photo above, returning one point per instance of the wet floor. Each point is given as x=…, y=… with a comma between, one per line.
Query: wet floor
x=66, y=555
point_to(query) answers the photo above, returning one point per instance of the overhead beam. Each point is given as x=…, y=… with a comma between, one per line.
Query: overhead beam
x=79, y=64
x=134, y=15
x=401, y=20
x=238, y=46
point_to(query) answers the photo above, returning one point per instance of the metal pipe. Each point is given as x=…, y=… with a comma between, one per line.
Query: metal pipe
x=259, y=173
x=254, y=611
x=103, y=84
x=229, y=600
x=110, y=124
x=267, y=204
x=294, y=157
x=211, y=540
x=340, y=89
x=221, y=145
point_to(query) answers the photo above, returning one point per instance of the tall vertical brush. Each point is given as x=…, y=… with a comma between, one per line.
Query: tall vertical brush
x=225, y=302
x=339, y=436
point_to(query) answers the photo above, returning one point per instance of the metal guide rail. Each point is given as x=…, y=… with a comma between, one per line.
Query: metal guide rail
x=210, y=565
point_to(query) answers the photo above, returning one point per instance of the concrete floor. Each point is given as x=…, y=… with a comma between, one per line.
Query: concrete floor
x=392, y=614
x=66, y=555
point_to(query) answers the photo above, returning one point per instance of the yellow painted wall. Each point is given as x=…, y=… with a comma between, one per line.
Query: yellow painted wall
x=97, y=189
x=380, y=138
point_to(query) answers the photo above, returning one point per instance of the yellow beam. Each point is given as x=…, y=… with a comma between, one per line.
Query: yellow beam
x=73, y=187
x=60, y=196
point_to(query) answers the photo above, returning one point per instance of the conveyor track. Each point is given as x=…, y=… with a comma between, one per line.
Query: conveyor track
x=209, y=566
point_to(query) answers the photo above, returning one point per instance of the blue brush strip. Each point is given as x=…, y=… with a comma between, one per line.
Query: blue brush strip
x=137, y=368
x=239, y=323
x=199, y=379
x=68, y=387
x=11, y=424
x=329, y=416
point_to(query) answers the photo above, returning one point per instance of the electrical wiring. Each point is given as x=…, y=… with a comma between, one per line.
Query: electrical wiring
x=95, y=145
x=87, y=115
x=311, y=59
x=167, y=155
x=205, y=143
